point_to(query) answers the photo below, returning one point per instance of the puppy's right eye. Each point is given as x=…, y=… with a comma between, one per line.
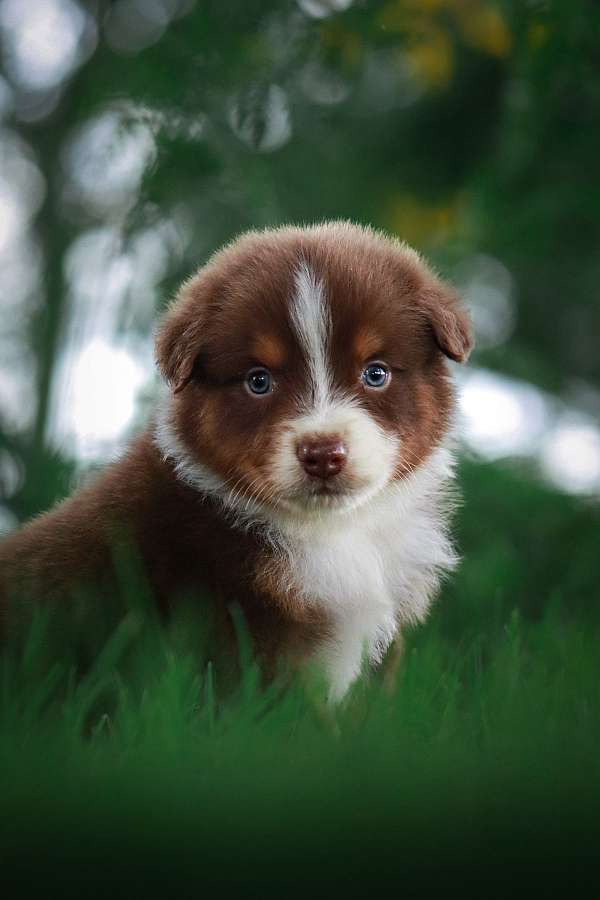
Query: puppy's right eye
x=259, y=381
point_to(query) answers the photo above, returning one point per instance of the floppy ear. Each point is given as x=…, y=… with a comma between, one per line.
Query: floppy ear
x=179, y=334
x=449, y=320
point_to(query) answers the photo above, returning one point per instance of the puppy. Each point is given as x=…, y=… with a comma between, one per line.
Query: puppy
x=298, y=468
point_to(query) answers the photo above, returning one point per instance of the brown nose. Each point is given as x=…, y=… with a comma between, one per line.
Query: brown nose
x=322, y=458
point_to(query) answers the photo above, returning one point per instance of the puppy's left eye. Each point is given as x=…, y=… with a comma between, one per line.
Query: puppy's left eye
x=376, y=375
x=259, y=381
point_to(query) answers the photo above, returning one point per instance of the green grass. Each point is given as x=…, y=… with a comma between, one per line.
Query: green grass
x=481, y=764
x=484, y=755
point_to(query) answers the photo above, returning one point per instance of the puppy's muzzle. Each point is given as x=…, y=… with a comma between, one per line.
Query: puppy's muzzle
x=322, y=457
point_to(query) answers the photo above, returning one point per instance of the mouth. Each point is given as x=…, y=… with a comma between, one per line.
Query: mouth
x=324, y=489
x=321, y=495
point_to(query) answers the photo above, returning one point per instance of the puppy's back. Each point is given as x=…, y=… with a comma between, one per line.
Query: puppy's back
x=74, y=544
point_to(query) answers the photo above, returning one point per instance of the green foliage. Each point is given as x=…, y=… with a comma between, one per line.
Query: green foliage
x=525, y=547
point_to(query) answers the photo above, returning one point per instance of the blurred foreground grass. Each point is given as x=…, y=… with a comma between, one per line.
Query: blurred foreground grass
x=481, y=764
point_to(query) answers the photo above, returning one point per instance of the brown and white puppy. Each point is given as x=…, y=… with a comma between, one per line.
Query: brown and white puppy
x=299, y=465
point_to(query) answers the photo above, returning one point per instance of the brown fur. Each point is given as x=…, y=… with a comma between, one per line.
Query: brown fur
x=230, y=317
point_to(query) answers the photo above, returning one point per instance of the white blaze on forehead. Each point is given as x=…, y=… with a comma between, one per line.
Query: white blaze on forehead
x=312, y=321
x=371, y=451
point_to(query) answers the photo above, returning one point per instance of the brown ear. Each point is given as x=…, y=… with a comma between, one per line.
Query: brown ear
x=179, y=337
x=449, y=320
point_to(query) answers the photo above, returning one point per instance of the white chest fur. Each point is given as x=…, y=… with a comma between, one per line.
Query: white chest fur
x=371, y=570
x=374, y=569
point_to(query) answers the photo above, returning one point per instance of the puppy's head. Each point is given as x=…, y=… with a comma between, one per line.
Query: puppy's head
x=307, y=368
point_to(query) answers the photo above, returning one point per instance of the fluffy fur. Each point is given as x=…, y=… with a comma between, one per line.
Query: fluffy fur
x=326, y=565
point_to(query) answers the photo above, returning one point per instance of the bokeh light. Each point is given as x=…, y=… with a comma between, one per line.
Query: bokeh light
x=41, y=40
x=99, y=387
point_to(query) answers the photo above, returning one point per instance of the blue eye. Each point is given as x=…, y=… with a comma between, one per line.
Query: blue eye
x=376, y=375
x=259, y=381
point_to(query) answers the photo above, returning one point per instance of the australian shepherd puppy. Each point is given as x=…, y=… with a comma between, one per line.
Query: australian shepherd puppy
x=298, y=467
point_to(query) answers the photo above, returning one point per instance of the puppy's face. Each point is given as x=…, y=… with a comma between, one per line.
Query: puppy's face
x=307, y=368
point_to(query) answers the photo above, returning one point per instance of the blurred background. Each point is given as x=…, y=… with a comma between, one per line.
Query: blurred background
x=137, y=136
